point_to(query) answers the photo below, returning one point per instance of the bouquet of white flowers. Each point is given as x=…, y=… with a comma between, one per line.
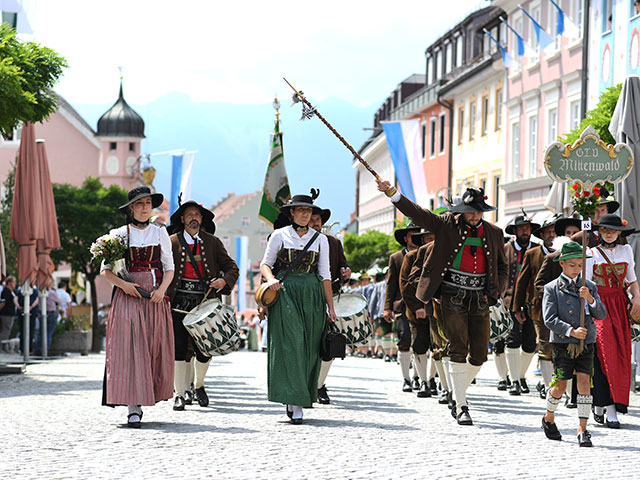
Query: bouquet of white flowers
x=111, y=249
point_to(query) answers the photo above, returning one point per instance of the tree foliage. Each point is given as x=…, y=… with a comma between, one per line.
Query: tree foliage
x=28, y=72
x=366, y=250
x=599, y=117
x=10, y=245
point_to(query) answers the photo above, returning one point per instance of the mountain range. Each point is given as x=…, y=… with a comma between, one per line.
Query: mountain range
x=233, y=142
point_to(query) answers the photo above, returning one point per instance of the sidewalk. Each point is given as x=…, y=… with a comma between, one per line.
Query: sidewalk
x=54, y=427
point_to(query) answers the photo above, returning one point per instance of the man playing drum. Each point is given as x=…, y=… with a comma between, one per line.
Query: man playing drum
x=467, y=270
x=203, y=267
x=340, y=271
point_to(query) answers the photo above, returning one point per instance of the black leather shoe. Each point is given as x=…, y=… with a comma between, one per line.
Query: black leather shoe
x=188, y=396
x=584, y=439
x=136, y=424
x=597, y=418
x=416, y=383
x=502, y=385
x=514, y=389
x=463, y=417
x=615, y=425
x=569, y=404
x=444, y=397
x=454, y=412
x=423, y=390
x=202, y=397
x=433, y=387
x=323, y=396
x=296, y=421
x=289, y=412
x=550, y=430
x=178, y=403
x=524, y=388
x=387, y=358
x=451, y=401
x=508, y=381
x=542, y=390
x=406, y=386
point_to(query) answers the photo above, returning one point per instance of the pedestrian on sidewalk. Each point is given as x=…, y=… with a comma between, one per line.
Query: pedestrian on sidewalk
x=52, y=306
x=7, y=307
x=140, y=350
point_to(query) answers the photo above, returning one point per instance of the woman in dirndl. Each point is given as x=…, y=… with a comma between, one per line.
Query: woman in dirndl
x=612, y=268
x=297, y=321
x=139, y=353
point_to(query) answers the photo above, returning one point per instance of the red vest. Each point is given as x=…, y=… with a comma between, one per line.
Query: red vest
x=474, y=263
x=189, y=271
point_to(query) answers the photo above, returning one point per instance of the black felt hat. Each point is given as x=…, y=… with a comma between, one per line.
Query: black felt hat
x=302, y=201
x=562, y=223
x=325, y=214
x=418, y=238
x=176, y=224
x=523, y=219
x=607, y=199
x=472, y=201
x=548, y=222
x=137, y=193
x=614, y=222
x=401, y=233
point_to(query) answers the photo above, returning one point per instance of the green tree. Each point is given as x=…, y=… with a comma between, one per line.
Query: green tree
x=85, y=213
x=364, y=251
x=28, y=72
x=10, y=245
x=599, y=117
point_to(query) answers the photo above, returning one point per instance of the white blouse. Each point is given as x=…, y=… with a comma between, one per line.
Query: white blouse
x=619, y=254
x=287, y=237
x=146, y=237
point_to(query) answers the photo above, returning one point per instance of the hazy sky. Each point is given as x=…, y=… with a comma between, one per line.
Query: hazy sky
x=238, y=51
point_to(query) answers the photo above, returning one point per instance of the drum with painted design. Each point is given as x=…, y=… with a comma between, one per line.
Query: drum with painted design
x=353, y=318
x=501, y=321
x=214, y=328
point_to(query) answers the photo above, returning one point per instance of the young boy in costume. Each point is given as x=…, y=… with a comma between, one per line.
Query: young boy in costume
x=561, y=312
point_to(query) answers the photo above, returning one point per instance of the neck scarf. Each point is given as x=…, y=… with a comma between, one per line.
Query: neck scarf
x=299, y=229
x=138, y=223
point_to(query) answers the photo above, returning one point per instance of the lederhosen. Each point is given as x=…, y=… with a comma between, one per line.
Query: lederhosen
x=189, y=293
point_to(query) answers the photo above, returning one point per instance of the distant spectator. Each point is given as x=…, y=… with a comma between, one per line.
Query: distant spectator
x=65, y=299
x=252, y=336
x=34, y=301
x=53, y=304
x=7, y=307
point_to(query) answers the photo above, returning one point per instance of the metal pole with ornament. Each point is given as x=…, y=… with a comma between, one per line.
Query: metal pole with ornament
x=591, y=168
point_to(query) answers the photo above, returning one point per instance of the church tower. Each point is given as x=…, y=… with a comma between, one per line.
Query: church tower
x=120, y=131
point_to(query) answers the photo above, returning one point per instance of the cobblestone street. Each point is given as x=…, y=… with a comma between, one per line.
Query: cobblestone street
x=54, y=427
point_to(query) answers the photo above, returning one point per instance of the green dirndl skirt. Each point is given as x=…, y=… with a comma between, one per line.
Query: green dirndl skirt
x=297, y=323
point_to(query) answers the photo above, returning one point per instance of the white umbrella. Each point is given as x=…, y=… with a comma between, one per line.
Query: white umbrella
x=558, y=200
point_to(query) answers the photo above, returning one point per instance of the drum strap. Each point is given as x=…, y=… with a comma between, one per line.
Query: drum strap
x=184, y=245
x=298, y=258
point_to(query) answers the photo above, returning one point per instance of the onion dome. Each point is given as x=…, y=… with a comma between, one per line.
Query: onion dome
x=121, y=120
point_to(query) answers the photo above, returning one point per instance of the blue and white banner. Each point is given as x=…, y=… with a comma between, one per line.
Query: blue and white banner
x=566, y=26
x=523, y=48
x=507, y=60
x=181, y=175
x=242, y=260
x=544, y=39
x=403, y=141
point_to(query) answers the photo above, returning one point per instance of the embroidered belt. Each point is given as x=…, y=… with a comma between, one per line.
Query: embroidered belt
x=465, y=280
x=188, y=285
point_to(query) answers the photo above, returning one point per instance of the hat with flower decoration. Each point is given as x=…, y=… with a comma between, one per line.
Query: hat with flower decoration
x=472, y=201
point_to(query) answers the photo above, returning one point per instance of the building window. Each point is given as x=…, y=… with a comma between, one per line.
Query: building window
x=575, y=115
x=430, y=71
x=552, y=124
x=498, y=109
x=432, y=139
x=424, y=139
x=245, y=222
x=633, y=10
x=460, y=125
x=472, y=121
x=533, y=40
x=442, y=132
x=459, y=45
x=438, y=65
x=263, y=243
x=448, y=58
x=132, y=147
x=485, y=114
x=553, y=26
x=112, y=146
x=10, y=19
x=515, y=149
x=496, y=194
x=226, y=241
x=577, y=12
x=12, y=137
x=607, y=18
x=483, y=185
x=533, y=146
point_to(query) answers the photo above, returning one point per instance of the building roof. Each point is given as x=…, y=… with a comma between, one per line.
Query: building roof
x=229, y=204
x=121, y=120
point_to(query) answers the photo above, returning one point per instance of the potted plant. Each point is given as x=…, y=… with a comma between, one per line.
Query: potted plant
x=73, y=334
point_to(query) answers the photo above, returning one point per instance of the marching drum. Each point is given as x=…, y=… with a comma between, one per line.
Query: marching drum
x=635, y=333
x=353, y=318
x=214, y=328
x=501, y=321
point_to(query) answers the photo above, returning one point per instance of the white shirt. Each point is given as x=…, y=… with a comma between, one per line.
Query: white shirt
x=287, y=237
x=619, y=254
x=64, y=297
x=149, y=236
x=189, y=239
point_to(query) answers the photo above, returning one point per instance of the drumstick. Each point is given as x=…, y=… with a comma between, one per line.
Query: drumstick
x=181, y=311
x=205, y=297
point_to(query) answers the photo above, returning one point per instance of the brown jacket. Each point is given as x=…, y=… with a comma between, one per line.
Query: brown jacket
x=215, y=260
x=450, y=233
x=393, y=295
x=408, y=288
x=549, y=271
x=511, y=253
x=337, y=260
x=525, y=292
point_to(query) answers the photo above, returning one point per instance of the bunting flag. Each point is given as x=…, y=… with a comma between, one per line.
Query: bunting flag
x=181, y=175
x=544, y=39
x=404, y=144
x=275, y=192
x=566, y=26
x=523, y=47
x=242, y=260
x=507, y=60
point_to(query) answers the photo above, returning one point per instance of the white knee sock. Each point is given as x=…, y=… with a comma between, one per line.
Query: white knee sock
x=598, y=410
x=513, y=361
x=179, y=384
x=189, y=374
x=612, y=415
x=134, y=409
x=569, y=388
x=297, y=411
x=201, y=371
x=441, y=374
x=446, y=366
x=324, y=371
x=405, y=360
x=472, y=372
x=546, y=369
x=432, y=369
x=459, y=378
x=420, y=365
x=387, y=345
x=525, y=361
x=501, y=365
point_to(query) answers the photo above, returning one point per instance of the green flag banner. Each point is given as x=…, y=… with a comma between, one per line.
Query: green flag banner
x=276, y=184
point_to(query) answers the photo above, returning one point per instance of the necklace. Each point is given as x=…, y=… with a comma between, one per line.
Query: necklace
x=138, y=223
x=299, y=229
